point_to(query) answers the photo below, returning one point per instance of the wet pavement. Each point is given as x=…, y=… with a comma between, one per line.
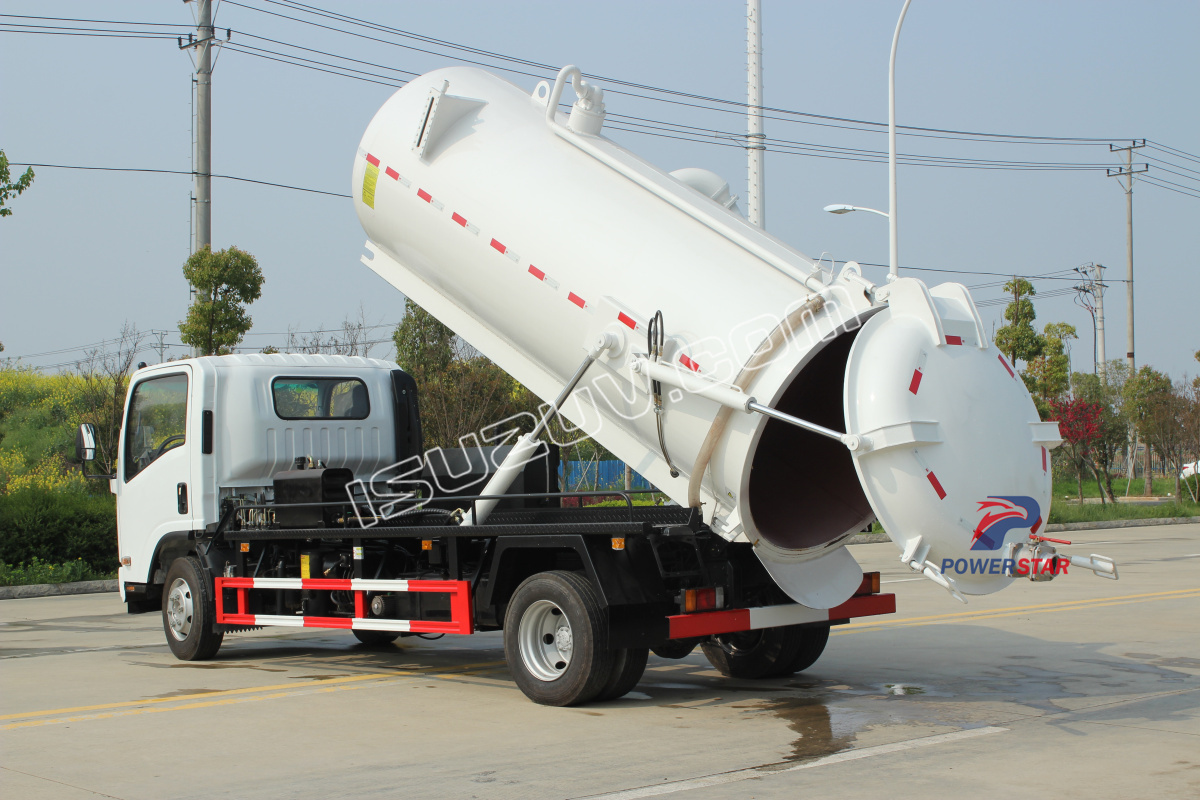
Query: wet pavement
x=1078, y=687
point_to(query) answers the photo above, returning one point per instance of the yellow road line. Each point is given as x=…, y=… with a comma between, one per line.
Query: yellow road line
x=253, y=689
x=970, y=616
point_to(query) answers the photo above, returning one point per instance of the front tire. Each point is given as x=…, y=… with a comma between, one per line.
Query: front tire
x=189, y=611
x=555, y=630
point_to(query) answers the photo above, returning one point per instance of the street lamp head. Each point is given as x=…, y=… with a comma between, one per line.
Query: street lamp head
x=839, y=209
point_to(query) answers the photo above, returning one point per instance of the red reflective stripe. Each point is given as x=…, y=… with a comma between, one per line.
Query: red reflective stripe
x=687, y=362
x=683, y=626
x=236, y=583
x=576, y=299
x=360, y=605
x=864, y=606
x=499, y=247
x=537, y=273
x=953, y=340
x=391, y=173
x=1043, y=459
x=1036, y=525
x=424, y=195
x=459, y=218
x=915, y=383
x=328, y=622
x=628, y=320
x=937, y=485
x=325, y=584
x=1011, y=374
x=372, y=160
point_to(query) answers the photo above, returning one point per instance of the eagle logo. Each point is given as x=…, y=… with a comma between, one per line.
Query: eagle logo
x=1004, y=514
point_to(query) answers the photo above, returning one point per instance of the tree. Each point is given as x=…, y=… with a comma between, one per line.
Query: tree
x=1018, y=339
x=1114, y=427
x=1048, y=375
x=10, y=189
x=1142, y=392
x=1079, y=424
x=1166, y=426
x=225, y=282
x=423, y=344
x=101, y=381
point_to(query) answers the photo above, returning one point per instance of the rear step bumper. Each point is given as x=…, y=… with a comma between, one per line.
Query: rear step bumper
x=707, y=623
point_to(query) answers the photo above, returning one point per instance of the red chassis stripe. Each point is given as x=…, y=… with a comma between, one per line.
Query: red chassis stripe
x=683, y=626
x=328, y=622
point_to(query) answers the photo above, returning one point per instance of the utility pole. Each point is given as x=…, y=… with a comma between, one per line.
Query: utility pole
x=1098, y=269
x=204, y=40
x=755, y=148
x=161, y=345
x=1127, y=173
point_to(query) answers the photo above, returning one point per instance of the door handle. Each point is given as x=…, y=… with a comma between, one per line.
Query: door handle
x=181, y=498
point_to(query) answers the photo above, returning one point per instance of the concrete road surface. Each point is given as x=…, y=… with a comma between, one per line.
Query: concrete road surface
x=1077, y=688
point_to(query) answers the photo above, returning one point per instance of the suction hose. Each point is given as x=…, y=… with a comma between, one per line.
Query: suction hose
x=768, y=346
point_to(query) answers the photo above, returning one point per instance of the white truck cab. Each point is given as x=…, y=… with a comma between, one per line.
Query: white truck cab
x=179, y=463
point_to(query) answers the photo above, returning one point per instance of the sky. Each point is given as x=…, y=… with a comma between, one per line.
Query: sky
x=88, y=250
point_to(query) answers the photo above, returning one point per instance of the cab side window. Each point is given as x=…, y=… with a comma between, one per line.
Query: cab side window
x=157, y=421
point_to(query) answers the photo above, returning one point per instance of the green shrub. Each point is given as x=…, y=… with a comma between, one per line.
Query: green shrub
x=38, y=571
x=58, y=528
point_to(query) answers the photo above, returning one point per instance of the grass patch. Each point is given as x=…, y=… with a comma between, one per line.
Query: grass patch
x=1061, y=512
x=1160, y=487
x=38, y=571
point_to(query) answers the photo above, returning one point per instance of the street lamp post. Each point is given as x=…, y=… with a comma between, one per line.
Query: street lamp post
x=840, y=208
x=893, y=237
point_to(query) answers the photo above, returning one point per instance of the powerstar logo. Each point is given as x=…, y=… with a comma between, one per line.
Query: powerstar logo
x=1004, y=514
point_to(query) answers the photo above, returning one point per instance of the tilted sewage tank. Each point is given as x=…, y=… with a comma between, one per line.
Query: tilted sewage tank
x=793, y=405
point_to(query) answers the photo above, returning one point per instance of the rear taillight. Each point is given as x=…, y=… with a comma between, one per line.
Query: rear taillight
x=703, y=599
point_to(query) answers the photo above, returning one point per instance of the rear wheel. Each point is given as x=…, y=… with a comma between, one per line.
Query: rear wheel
x=554, y=632
x=675, y=648
x=629, y=664
x=765, y=653
x=189, y=611
x=813, y=639
x=375, y=638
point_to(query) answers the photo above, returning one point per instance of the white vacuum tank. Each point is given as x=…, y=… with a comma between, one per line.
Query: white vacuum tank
x=535, y=238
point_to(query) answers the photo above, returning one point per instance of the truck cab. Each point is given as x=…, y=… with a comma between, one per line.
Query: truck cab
x=203, y=432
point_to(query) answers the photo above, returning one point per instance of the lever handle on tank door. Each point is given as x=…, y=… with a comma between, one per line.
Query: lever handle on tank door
x=181, y=498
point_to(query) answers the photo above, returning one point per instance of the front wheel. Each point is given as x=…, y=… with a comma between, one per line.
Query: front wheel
x=189, y=611
x=555, y=630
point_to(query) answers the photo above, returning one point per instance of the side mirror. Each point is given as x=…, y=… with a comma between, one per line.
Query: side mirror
x=85, y=442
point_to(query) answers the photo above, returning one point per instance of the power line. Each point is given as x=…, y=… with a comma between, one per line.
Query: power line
x=182, y=172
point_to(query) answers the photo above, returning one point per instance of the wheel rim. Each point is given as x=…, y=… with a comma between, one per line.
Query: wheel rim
x=179, y=609
x=546, y=639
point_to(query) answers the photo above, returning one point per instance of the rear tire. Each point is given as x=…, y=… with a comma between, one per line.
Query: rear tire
x=675, y=648
x=813, y=639
x=375, y=638
x=765, y=653
x=629, y=664
x=189, y=611
x=554, y=635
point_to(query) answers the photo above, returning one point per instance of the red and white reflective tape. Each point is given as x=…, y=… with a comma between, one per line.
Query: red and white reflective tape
x=707, y=623
x=1043, y=459
x=494, y=243
x=915, y=384
x=933, y=479
x=460, y=604
x=687, y=362
x=953, y=339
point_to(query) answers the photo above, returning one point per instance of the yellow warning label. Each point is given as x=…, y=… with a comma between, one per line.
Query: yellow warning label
x=305, y=572
x=370, y=178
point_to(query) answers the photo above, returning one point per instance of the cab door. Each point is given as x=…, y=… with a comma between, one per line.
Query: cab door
x=154, y=481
